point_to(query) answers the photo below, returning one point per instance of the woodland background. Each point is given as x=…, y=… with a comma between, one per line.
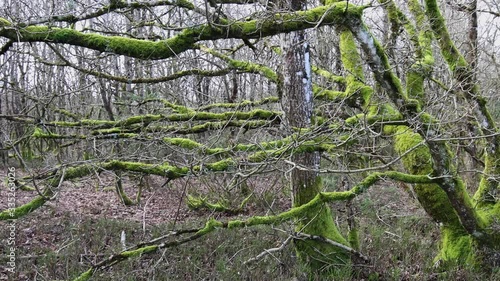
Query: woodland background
x=251, y=140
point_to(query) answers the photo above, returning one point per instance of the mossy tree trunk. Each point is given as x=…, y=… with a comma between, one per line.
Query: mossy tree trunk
x=469, y=231
x=318, y=258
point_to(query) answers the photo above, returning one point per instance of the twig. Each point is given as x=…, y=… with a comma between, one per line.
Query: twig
x=269, y=251
x=350, y=250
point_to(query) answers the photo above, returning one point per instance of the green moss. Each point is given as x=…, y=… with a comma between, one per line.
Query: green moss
x=235, y=224
x=380, y=65
x=328, y=95
x=488, y=188
x=182, y=142
x=37, y=132
x=490, y=214
x=111, y=131
x=222, y=165
x=422, y=68
x=239, y=115
x=90, y=122
x=187, y=38
x=162, y=170
x=456, y=62
x=328, y=75
x=376, y=113
x=85, y=276
x=419, y=162
x=76, y=172
x=197, y=203
x=116, y=44
x=258, y=156
x=215, y=151
x=415, y=84
x=351, y=59
x=353, y=238
x=254, y=68
x=266, y=151
x=281, y=23
x=210, y=126
x=144, y=119
x=210, y=226
x=15, y=213
x=4, y=22
x=176, y=107
x=317, y=221
x=138, y=252
x=300, y=212
x=66, y=113
x=457, y=248
x=329, y=14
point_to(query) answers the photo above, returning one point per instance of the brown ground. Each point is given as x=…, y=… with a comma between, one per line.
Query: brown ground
x=96, y=198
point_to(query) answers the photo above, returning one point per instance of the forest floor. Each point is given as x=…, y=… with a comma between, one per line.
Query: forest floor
x=84, y=223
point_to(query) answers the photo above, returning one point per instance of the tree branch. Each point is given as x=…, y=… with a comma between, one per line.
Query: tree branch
x=185, y=40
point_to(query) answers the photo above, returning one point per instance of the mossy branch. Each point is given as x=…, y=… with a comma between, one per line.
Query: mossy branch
x=246, y=66
x=320, y=93
x=192, y=129
x=187, y=115
x=150, y=247
x=197, y=203
x=113, y=6
x=328, y=75
x=443, y=167
x=146, y=80
x=296, y=212
x=424, y=63
x=463, y=73
x=185, y=40
x=351, y=60
x=82, y=170
x=18, y=212
x=241, y=104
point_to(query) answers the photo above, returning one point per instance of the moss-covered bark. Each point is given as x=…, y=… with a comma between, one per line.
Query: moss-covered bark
x=439, y=155
x=418, y=161
x=458, y=245
x=20, y=211
x=296, y=213
x=320, y=260
x=464, y=75
x=187, y=39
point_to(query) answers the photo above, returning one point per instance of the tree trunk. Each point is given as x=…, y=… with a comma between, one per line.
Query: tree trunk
x=318, y=258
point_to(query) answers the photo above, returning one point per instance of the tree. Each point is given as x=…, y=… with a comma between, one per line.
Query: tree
x=402, y=110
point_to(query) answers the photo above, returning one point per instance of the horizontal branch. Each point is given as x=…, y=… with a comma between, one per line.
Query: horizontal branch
x=240, y=104
x=293, y=213
x=145, y=49
x=320, y=93
x=350, y=250
x=144, y=120
x=113, y=6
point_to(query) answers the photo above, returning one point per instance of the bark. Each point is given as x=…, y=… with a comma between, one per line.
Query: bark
x=187, y=39
x=468, y=234
x=320, y=259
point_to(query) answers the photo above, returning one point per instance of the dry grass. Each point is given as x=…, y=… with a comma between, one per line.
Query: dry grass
x=83, y=225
